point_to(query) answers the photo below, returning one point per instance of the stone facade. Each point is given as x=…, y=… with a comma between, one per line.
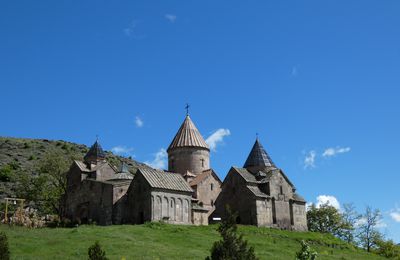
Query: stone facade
x=149, y=201
x=93, y=195
x=262, y=195
x=191, y=193
x=207, y=187
x=192, y=159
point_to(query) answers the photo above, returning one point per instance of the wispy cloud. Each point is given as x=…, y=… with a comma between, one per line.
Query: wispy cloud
x=217, y=137
x=170, y=17
x=122, y=150
x=329, y=152
x=311, y=157
x=139, y=122
x=309, y=160
x=395, y=214
x=159, y=161
x=131, y=30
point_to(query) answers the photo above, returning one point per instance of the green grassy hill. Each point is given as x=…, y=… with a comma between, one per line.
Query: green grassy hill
x=21, y=155
x=159, y=241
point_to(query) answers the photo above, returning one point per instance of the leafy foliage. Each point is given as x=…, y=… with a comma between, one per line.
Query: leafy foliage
x=350, y=218
x=96, y=253
x=7, y=171
x=325, y=219
x=306, y=253
x=4, y=251
x=231, y=246
x=387, y=249
x=47, y=187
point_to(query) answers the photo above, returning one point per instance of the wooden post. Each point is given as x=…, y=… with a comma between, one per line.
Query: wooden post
x=5, y=217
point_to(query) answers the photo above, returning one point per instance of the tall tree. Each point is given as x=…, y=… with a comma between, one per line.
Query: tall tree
x=368, y=234
x=350, y=218
x=232, y=246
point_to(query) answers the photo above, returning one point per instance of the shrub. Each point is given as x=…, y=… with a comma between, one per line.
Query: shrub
x=306, y=253
x=96, y=253
x=4, y=251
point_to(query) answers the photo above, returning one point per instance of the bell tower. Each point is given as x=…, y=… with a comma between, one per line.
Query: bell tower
x=188, y=152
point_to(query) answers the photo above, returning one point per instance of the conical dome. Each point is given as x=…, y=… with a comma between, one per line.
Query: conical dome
x=188, y=136
x=258, y=157
x=95, y=153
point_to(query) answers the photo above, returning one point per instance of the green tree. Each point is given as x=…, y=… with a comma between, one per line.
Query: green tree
x=96, y=253
x=325, y=219
x=350, y=218
x=387, y=248
x=368, y=235
x=48, y=185
x=4, y=251
x=306, y=253
x=232, y=246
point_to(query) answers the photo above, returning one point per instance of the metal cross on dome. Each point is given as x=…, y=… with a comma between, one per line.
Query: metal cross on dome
x=187, y=109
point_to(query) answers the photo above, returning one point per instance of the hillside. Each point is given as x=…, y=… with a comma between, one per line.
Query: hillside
x=160, y=241
x=21, y=155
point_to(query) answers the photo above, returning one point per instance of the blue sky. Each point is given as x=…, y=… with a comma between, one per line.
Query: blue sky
x=318, y=80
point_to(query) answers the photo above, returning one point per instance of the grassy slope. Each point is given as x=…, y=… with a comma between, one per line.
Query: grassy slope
x=165, y=242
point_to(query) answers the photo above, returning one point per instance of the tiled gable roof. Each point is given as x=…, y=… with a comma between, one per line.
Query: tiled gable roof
x=256, y=191
x=165, y=180
x=246, y=175
x=199, y=178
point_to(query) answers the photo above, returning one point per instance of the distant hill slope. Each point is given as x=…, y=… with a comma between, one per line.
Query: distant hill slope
x=23, y=154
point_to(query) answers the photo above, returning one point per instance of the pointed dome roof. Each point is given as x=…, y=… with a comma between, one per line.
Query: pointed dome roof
x=123, y=173
x=95, y=153
x=258, y=156
x=188, y=136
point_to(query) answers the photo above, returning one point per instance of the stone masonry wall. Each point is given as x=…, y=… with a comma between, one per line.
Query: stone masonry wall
x=193, y=159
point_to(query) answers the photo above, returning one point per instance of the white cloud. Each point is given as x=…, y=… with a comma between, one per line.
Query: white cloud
x=160, y=160
x=395, y=214
x=170, y=17
x=217, y=137
x=122, y=150
x=327, y=199
x=329, y=152
x=139, y=122
x=309, y=160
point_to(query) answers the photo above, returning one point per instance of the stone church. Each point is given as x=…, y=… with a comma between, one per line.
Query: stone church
x=190, y=192
x=185, y=194
x=261, y=194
